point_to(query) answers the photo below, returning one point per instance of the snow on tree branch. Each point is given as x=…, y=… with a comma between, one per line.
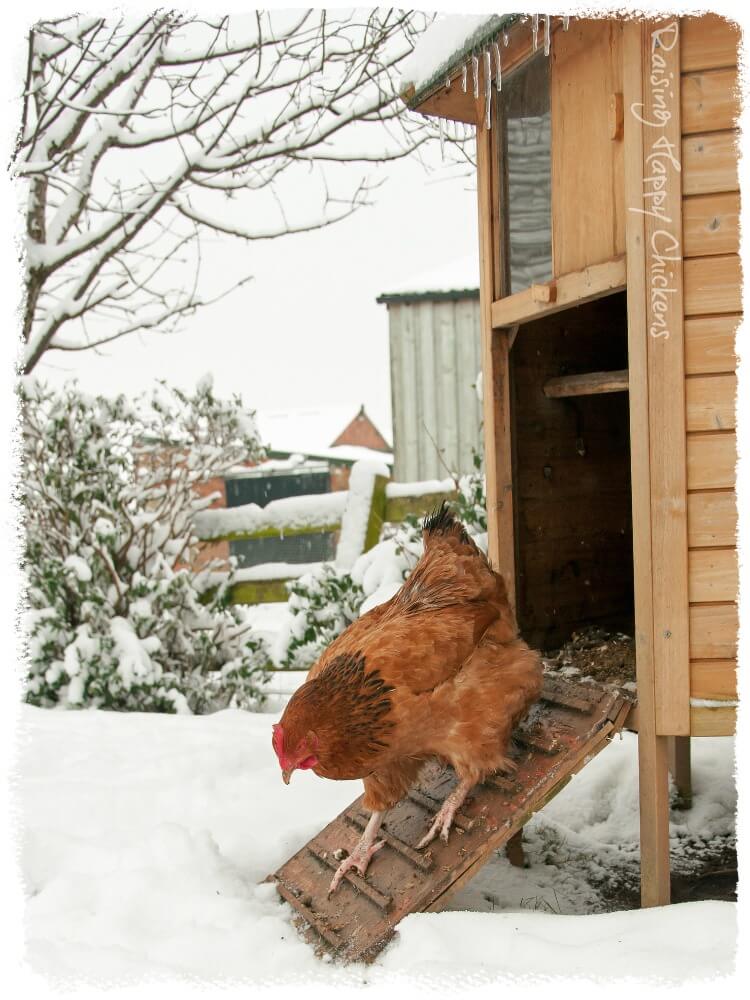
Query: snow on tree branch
x=138, y=136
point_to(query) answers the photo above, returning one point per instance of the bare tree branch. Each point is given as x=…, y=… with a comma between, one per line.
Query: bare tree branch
x=136, y=135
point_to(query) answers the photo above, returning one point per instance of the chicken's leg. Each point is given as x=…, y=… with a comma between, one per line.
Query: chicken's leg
x=444, y=816
x=360, y=856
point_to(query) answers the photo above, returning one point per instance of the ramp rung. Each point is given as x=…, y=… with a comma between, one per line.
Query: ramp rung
x=432, y=805
x=423, y=861
x=334, y=939
x=373, y=894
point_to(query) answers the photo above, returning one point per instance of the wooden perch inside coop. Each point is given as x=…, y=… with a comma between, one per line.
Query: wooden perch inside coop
x=590, y=384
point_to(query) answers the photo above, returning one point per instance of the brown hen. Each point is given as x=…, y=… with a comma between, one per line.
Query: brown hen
x=436, y=672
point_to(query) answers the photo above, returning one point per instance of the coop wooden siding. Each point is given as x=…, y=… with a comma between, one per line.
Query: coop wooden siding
x=712, y=305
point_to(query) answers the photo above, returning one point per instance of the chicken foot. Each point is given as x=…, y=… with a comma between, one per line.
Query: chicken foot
x=444, y=816
x=362, y=853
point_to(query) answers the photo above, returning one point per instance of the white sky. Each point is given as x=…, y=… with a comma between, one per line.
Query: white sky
x=306, y=330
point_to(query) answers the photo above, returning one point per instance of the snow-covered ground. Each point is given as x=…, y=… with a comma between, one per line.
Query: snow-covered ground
x=144, y=839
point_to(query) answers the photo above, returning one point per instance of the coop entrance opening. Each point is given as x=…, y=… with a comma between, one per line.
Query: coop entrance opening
x=571, y=472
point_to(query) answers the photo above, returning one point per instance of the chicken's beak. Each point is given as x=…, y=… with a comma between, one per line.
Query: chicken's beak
x=286, y=774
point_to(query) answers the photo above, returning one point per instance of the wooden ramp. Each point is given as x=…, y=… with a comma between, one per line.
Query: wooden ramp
x=563, y=731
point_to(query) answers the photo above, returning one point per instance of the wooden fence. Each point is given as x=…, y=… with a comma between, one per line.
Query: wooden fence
x=357, y=515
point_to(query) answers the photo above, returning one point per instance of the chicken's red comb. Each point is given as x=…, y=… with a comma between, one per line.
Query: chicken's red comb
x=277, y=739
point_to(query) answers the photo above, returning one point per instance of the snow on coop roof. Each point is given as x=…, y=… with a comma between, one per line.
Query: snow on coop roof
x=444, y=44
x=453, y=279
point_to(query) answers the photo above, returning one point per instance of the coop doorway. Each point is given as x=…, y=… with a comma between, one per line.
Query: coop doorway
x=570, y=433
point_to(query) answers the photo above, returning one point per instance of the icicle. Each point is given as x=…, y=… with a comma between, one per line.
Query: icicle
x=475, y=74
x=447, y=83
x=464, y=69
x=546, y=34
x=498, y=67
x=487, y=89
x=505, y=38
x=442, y=139
x=566, y=23
x=535, y=28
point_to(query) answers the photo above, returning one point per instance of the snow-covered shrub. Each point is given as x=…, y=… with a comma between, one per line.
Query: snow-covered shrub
x=321, y=605
x=471, y=504
x=117, y=618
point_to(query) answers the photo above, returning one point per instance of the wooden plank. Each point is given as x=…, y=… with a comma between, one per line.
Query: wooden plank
x=710, y=402
x=590, y=384
x=588, y=222
x=713, y=631
x=713, y=679
x=259, y=591
x=652, y=749
x=712, y=519
x=498, y=452
x=712, y=575
x=709, y=41
x=709, y=343
x=711, y=224
x=711, y=460
x=666, y=363
x=709, y=101
x=709, y=163
x=712, y=285
x=397, y=508
x=572, y=289
x=452, y=104
x=713, y=721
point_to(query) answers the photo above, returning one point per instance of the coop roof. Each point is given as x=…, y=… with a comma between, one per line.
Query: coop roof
x=443, y=47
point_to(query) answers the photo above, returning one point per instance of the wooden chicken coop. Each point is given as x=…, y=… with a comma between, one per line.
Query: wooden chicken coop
x=610, y=296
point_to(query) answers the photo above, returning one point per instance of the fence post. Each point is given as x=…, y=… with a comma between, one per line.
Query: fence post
x=364, y=512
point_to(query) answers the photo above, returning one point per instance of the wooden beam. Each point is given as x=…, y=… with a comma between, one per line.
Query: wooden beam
x=652, y=749
x=572, y=289
x=496, y=381
x=666, y=376
x=590, y=384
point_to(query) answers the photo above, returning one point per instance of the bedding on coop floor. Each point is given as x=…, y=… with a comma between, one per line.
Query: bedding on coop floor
x=143, y=839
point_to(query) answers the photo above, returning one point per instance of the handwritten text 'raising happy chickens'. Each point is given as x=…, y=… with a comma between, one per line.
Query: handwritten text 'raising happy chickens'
x=664, y=252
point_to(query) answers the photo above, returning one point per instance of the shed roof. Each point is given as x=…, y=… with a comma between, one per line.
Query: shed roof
x=451, y=280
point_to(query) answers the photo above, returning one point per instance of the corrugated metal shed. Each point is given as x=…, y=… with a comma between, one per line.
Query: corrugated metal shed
x=435, y=360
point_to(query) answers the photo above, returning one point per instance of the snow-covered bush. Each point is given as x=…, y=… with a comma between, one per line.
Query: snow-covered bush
x=117, y=618
x=321, y=605
x=471, y=503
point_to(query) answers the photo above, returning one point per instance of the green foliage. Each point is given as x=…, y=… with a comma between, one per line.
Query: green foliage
x=471, y=504
x=115, y=615
x=322, y=605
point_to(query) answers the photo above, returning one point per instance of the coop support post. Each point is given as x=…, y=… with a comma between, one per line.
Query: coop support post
x=514, y=850
x=653, y=770
x=679, y=768
x=496, y=345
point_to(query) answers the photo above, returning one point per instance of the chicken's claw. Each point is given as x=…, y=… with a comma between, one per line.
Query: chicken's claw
x=442, y=822
x=359, y=859
x=446, y=812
